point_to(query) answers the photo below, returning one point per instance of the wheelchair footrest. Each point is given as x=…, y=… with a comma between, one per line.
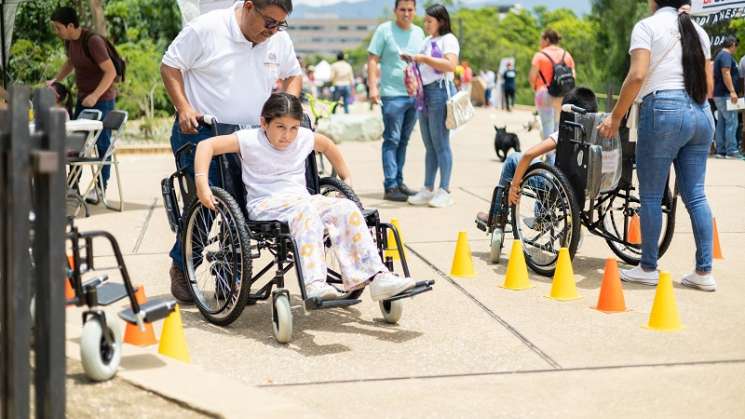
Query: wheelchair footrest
x=154, y=310
x=419, y=288
x=319, y=304
x=108, y=293
x=482, y=226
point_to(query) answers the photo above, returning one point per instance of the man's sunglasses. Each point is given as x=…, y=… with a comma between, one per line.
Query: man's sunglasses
x=271, y=24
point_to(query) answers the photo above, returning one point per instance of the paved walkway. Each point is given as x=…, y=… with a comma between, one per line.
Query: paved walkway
x=470, y=348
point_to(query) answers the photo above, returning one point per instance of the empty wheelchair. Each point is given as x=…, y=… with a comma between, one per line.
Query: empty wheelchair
x=221, y=248
x=593, y=183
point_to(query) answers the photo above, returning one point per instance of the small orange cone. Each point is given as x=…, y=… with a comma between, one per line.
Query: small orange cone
x=664, y=316
x=717, y=246
x=172, y=339
x=133, y=335
x=69, y=292
x=611, y=298
x=634, y=235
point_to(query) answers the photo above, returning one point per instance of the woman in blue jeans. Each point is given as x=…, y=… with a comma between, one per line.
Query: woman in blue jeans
x=438, y=58
x=671, y=73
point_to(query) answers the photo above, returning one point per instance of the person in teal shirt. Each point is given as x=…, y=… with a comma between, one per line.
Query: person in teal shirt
x=389, y=42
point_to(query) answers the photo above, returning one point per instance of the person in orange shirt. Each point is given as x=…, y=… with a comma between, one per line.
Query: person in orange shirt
x=541, y=74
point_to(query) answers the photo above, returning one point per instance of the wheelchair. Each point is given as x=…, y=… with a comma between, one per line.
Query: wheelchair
x=592, y=183
x=220, y=247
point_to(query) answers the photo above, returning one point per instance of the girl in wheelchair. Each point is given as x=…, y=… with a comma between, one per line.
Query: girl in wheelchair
x=273, y=172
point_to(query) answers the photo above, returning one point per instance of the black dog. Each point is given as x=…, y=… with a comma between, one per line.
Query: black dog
x=504, y=141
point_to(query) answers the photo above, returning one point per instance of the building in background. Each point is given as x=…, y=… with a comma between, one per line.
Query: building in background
x=329, y=35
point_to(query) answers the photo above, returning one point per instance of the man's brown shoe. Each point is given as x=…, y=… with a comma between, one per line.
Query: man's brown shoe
x=179, y=287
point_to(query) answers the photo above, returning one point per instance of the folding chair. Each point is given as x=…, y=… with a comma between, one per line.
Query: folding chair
x=115, y=121
x=78, y=147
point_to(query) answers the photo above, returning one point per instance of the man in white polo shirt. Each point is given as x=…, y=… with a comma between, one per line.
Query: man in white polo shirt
x=225, y=63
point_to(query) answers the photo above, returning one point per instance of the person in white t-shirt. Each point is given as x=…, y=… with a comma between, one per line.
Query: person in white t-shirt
x=437, y=60
x=225, y=63
x=671, y=73
x=273, y=165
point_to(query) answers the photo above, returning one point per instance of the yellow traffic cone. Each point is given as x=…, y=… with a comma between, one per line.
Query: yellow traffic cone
x=172, y=340
x=462, y=261
x=392, y=250
x=563, y=287
x=516, y=278
x=664, y=316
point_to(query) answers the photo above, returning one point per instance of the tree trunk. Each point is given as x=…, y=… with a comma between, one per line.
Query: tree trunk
x=99, y=20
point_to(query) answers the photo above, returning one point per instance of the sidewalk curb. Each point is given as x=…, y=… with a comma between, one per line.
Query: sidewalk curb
x=189, y=385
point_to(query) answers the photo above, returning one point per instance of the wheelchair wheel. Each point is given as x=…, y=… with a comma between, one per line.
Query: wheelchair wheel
x=282, y=319
x=216, y=248
x=616, y=216
x=100, y=359
x=336, y=188
x=547, y=217
x=392, y=311
x=495, y=250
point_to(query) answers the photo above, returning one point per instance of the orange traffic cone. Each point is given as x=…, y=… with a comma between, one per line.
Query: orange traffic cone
x=69, y=292
x=133, y=335
x=634, y=235
x=717, y=245
x=611, y=293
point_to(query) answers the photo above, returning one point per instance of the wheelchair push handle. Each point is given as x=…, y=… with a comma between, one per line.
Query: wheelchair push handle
x=573, y=109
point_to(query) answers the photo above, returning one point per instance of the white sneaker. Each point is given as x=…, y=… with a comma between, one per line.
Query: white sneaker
x=640, y=276
x=441, y=199
x=386, y=284
x=702, y=282
x=422, y=197
x=322, y=290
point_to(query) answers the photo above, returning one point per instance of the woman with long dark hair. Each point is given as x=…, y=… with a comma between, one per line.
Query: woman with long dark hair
x=436, y=62
x=671, y=74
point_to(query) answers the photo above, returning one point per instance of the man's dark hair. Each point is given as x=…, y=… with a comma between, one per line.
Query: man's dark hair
x=280, y=105
x=730, y=42
x=285, y=5
x=66, y=16
x=551, y=36
x=440, y=13
x=399, y=1
x=340, y=56
x=582, y=97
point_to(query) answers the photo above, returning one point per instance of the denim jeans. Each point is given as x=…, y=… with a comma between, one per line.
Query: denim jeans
x=104, y=139
x=186, y=162
x=673, y=129
x=726, y=131
x=436, y=136
x=342, y=92
x=399, y=117
x=544, y=104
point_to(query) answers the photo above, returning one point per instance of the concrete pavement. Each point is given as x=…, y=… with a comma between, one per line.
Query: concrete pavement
x=470, y=348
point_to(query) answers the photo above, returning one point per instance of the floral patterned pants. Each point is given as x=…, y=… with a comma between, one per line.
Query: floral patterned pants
x=309, y=217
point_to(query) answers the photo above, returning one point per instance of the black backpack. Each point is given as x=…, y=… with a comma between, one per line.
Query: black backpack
x=563, y=79
x=119, y=64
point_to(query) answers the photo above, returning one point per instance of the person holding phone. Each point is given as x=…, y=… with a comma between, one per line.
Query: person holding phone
x=436, y=61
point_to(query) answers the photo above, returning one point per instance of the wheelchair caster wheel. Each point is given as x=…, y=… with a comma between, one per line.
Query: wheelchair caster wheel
x=497, y=240
x=100, y=359
x=392, y=310
x=282, y=319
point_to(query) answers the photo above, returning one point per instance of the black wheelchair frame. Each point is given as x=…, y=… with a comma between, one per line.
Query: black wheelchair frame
x=271, y=236
x=595, y=210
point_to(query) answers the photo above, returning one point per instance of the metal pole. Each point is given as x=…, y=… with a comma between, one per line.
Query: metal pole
x=49, y=239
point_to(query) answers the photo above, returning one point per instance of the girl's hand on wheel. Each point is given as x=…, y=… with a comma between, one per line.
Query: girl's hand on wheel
x=514, y=194
x=204, y=194
x=609, y=127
